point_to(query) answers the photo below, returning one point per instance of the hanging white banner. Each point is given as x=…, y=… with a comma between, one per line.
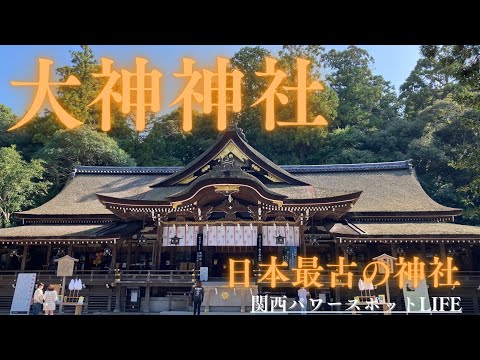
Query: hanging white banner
x=281, y=235
x=231, y=235
x=180, y=235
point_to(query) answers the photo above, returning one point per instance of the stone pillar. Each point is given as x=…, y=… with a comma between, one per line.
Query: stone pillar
x=147, y=299
x=206, y=300
x=117, y=298
x=244, y=300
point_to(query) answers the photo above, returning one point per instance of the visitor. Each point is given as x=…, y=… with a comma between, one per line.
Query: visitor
x=197, y=297
x=302, y=298
x=38, y=300
x=50, y=299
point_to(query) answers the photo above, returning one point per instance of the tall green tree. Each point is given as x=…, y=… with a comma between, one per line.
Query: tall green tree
x=81, y=146
x=7, y=120
x=75, y=99
x=20, y=183
x=298, y=142
x=462, y=62
x=428, y=82
x=365, y=100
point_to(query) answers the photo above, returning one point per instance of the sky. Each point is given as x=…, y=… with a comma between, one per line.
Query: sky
x=19, y=63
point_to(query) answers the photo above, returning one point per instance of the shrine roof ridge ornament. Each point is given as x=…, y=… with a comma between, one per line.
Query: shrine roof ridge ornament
x=381, y=166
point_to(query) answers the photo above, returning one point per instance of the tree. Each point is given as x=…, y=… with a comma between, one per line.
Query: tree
x=81, y=146
x=462, y=62
x=7, y=120
x=441, y=145
x=20, y=183
x=75, y=99
x=299, y=141
x=429, y=81
x=364, y=99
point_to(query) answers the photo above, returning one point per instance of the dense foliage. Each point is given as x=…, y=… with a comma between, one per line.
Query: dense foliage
x=434, y=120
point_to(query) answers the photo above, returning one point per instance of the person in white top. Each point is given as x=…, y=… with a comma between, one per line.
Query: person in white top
x=38, y=300
x=50, y=298
x=302, y=298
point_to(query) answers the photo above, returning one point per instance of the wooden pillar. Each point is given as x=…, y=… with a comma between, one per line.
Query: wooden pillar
x=129, y=253
x=24, y=257
x=337, y=288
x=137, y=253
x=393, y=250
x=345, y=254
x=302, y=236
x=443, y=253
x=369, y=251
x=114, y=256
x=49, y=255
x=469, y=259
x=154, y=255
x=257, y=262
x=475, y=301
x=159, y=243
x=70, y=250
x=424, y=250
x=199, y=264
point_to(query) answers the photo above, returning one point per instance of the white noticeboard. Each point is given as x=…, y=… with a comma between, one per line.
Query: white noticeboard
x=415, y=294
x=23, y=294
x=204, y=273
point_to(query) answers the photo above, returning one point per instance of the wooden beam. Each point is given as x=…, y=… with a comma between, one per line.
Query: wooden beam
x=24, y=257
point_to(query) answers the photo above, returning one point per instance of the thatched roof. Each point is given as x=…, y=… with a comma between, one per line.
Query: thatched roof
x=417, y=229
x=66, y=232
x=384, y=189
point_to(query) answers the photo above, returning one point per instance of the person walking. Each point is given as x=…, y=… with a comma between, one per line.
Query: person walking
x=50, y=299
x=197, y=297
x=302, y=298
x=38, y=300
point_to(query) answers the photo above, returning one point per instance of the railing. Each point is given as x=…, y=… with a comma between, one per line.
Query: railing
x=110, y=276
